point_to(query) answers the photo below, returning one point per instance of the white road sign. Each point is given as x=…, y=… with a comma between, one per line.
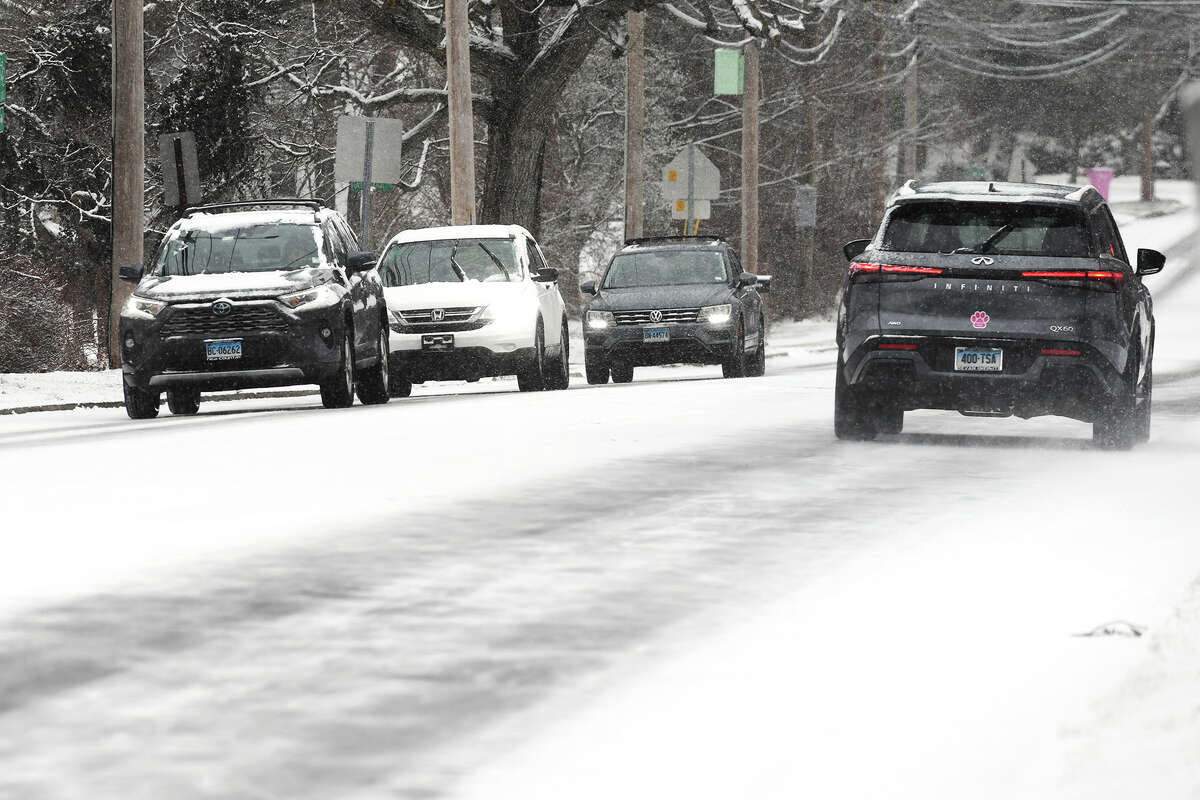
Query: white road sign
x=706, y=178
x=806, y=206
x=701, y=209
x=387, y=137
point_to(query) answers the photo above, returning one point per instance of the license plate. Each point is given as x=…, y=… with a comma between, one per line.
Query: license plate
x=656, y=334
x=978, y=359
x=437, y=341
x=223, y=350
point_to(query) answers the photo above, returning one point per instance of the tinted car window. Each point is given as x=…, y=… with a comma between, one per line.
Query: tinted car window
x=1005, y=229
x=666, y=268
x=248, y=248
x=449, y=261
x=1108, y=241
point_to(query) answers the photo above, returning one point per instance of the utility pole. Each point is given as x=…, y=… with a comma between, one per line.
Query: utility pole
x=128, y=157
x=911, y=97
x=462, y=117
x=750, y=160
x=1148, y=158
x=635, y=121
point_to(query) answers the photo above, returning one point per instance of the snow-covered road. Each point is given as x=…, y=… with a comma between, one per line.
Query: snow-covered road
x=682, y=587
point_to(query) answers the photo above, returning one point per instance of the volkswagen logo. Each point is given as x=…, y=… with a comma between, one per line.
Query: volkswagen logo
x=984, y=260
x=222, y=308
x=656, y=316
x=437, y=315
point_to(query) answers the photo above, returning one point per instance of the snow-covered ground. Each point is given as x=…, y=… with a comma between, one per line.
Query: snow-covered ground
x=682, y=587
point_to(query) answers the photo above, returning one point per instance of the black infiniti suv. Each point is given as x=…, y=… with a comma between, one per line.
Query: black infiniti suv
x=674, y=300
x=996, y=299
x=253, y=294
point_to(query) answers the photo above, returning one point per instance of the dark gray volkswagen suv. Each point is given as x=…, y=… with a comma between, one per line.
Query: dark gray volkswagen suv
x=672, y=300
x=996, y=299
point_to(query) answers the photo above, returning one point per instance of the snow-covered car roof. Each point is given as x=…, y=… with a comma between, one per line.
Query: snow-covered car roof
x=238, y=219
x=998, y=191
x=447, y=232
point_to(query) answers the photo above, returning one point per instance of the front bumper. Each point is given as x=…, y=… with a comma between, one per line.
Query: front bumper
x=485, y=351
x=280, y=346
x=1031, y=384
x=690, y=343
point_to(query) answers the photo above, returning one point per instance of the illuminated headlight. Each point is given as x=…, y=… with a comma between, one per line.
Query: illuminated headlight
x=297, y=299
x=506, y=313
x=600, y=319
x=145, y=305
x=716, y=315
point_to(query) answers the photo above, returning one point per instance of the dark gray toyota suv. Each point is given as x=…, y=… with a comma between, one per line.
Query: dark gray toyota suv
x=996, y=299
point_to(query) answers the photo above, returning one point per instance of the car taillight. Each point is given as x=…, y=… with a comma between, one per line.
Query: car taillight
x=891, y=269
x=1107, y=278
x=1049, y=352
x=896, y=346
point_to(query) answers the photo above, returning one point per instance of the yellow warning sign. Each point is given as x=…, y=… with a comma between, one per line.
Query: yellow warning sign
x=672, y=175
x=681, y=205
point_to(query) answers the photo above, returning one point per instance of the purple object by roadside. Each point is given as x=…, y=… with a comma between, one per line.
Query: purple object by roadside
x=1101, y=178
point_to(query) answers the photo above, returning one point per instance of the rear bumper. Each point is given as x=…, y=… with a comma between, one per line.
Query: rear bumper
x=1032, y=383
x=690, y=343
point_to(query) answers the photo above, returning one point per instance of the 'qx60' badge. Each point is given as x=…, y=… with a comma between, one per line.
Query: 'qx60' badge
x=656, y=316
x=983, y=260
x=222, y=308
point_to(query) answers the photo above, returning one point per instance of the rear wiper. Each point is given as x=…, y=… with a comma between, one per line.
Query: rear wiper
x=989, y=242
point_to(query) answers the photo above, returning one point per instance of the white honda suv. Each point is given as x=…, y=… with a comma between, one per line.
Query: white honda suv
x=473, y=301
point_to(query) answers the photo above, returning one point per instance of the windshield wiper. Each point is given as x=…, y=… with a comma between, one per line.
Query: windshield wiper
x=989, y=242
x=462, y=273
x=494, y=259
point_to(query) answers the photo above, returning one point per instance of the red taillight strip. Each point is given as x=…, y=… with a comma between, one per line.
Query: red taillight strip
x=1094, y=275
x=1049, y=352
x=886, y=346
x=862, y=266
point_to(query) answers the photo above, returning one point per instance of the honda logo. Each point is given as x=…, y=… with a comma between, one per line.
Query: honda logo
x=438, y=314
x=983, y=260
x=656, y=316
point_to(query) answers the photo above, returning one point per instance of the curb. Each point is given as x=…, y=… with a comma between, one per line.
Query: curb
x=121, y=403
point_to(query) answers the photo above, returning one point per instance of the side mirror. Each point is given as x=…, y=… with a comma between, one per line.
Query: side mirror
x=588, y=287
x=130, y=273
x=747, y=279
x=764, y=284
x=360, y=262
x=1150, y=261
x=856, y=248
x=547, y=275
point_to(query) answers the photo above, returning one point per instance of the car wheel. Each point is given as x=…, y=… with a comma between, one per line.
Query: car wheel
x=399, y=386
x=622, y=372
x=373, y=383
x=560, y=371
x=338, y=391
x=183, y=402
x=140, y=404
x=888, y=419
x=595, y=370
x=735, y=365
x=533, y=377
x=850, y=418
x=1117, y=428
x=756, y=367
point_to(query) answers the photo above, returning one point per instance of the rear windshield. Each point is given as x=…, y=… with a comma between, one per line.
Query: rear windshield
x=449, y=261
x=666, y=268
x=246, y=248
x=1000, y=228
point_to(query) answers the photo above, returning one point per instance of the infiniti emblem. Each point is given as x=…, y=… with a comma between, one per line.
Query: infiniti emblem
x=221, y=308
x=656, y=316
x=438, y=314
x=984, y=260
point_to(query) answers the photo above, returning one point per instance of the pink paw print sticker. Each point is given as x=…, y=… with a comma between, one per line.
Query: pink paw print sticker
x=980, y=319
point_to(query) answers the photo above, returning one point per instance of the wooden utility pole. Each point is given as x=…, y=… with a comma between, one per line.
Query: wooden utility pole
x=462, y=117
x=128, y=154
x=635, y=120
x=1148, y=158
x=750, y=160
x=911, y=97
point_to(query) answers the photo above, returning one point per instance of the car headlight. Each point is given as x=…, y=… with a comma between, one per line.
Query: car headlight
x=508, y=313
x=145, y=305
x=600, y=319
x=297, y=299
x=717, y=315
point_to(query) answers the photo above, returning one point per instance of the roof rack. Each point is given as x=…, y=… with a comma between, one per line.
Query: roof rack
x=675, y=238
x=304, y=202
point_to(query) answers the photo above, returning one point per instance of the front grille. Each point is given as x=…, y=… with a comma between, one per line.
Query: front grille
x=424, y=316
x=668, y=315
x=201, y=321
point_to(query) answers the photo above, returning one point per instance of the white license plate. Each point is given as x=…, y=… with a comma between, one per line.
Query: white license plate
x=437, y=341
x=223, y=350
x=656, y=334
x=978, y=359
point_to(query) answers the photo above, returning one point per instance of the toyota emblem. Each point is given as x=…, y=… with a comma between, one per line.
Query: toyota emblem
x=983, y=260
x=222, y=308
x=656, y=316
x=438, y=314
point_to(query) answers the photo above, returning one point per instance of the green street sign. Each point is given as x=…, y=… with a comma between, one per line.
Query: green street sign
x=977, y=173
x=3, y=85
x=729, y=68
x=379, y=187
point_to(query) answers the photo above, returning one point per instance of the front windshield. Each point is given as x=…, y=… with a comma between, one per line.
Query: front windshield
x=248, y=248
x=1000, y=228
x=665, y=268
x=450, y=261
